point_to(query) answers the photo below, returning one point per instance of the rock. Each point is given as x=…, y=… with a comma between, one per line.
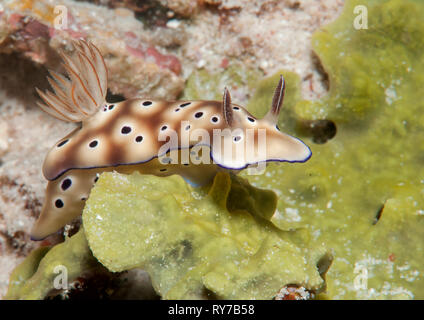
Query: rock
x=185, y=8
x=140, y=68
x=4, y=138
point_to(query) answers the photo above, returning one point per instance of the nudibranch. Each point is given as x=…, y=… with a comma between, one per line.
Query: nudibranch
x=194, y=139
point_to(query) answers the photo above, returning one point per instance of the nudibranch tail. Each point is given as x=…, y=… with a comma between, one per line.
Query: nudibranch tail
x=79, y=97
x=66, y=196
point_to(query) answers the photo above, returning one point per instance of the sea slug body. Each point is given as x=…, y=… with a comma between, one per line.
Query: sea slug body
x=194, y=139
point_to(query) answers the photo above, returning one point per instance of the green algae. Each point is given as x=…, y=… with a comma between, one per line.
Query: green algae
x=35, y=277
x=204, y=85
x=361, y=193
x=24, y=271
x=367, y=67
x=188, y=241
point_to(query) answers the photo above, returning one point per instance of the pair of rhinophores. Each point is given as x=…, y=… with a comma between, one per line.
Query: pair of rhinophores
x=128, y=136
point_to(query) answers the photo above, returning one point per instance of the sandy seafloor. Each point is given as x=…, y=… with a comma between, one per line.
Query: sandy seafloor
x=278, y=36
